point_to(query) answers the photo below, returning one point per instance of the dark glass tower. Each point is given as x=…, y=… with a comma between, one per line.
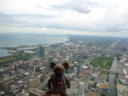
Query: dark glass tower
x=41, y=51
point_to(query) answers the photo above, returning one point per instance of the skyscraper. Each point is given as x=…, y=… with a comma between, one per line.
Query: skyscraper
x=41, y=51
x=82, y=88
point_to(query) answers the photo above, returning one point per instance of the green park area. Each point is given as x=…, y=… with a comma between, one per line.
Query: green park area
x=20, y=55
x=5, y=60
x=102, y=61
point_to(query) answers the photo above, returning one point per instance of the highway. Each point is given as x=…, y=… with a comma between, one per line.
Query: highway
x=112, y=89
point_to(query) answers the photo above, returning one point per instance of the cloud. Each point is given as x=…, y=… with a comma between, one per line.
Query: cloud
x=82, y=6
x=98, y=17
x=21, y=19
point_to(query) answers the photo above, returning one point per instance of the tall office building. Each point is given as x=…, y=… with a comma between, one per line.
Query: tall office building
x=78, y=70
x=82, y=88
x=41, y=51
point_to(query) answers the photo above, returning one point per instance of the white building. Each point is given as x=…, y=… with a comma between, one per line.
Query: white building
x=82, y=88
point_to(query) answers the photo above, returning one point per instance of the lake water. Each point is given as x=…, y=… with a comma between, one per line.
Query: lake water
x=3, y=53
x=15, y=40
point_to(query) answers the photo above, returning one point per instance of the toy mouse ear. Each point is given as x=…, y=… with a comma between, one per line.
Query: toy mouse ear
x=52, y=65
x=66, y=65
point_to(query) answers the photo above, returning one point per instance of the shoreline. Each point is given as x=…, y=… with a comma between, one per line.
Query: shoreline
x=7, y=49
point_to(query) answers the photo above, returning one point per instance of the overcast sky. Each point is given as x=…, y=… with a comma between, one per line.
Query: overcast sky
x=89, y=17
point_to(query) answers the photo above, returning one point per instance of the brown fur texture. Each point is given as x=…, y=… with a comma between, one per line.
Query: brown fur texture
x=52, y=65
x=66, y=65
x=58, y=70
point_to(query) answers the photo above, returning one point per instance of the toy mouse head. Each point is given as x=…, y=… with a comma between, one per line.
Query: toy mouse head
x=59, y=69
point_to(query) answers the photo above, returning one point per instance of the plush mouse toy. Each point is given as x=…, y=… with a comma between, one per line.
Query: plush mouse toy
x=58, y=81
